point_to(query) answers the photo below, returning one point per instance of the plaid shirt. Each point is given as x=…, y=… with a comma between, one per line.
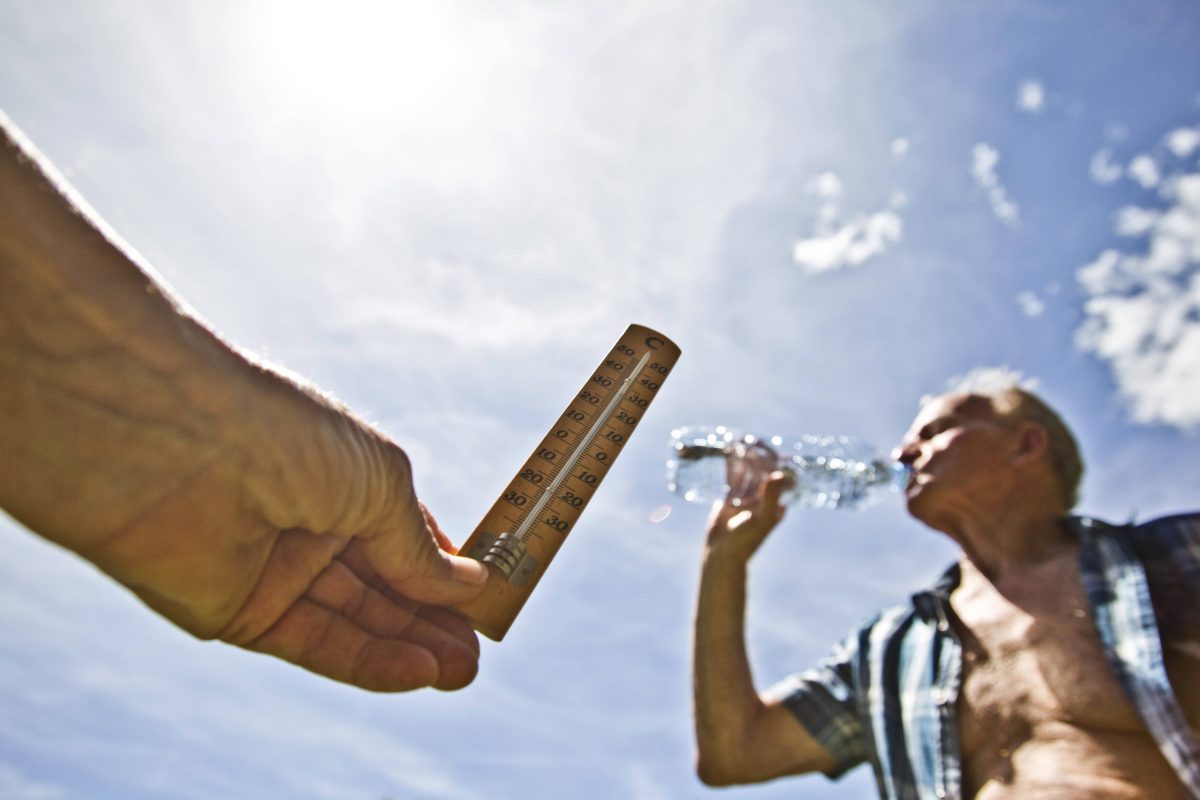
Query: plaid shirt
x=887, y=693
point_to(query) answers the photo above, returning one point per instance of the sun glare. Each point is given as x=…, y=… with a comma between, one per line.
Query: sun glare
x=365, y=63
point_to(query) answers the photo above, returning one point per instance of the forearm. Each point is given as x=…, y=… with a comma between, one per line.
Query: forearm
x=95, y=359
x=726, y=703
x=740, y=738
x=115, y=395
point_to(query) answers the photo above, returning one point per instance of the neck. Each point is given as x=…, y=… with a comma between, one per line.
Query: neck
x=1014, y=537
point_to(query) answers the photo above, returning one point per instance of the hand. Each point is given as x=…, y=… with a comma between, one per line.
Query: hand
x=740, y=525
x=352, y=623
x=270, y=519
x=304, y=539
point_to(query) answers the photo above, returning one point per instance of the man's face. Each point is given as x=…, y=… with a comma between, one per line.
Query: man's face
x=960, y=452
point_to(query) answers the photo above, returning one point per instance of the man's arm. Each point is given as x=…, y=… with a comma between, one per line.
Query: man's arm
x=237, y=502
x=740, y=738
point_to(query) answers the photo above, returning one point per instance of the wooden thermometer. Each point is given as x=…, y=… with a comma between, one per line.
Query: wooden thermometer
x=541, y=504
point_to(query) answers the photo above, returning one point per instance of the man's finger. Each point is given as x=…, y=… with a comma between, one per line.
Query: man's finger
x=778, y=483
x=386, y=614
x=329, y=644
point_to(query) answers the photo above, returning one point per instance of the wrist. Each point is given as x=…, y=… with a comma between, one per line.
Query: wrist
x=729, y=550
x=724, y=566
x=311, y=463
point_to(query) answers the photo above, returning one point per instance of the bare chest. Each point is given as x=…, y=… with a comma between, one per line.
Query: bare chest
x=1041, y=713
x=1033, y=663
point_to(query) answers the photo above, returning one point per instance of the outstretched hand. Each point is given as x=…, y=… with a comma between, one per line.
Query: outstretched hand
x=354, y=625
x=237, y=502
x=373, y=615
x=301, y=537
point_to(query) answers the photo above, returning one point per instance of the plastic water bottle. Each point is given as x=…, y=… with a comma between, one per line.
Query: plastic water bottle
x=714, y=463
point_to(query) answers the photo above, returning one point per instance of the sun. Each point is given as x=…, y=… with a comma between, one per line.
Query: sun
x=358, y=63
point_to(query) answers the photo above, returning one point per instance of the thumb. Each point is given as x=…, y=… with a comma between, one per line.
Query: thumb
x=778, y=483
x=444, y=579
x=418, y=560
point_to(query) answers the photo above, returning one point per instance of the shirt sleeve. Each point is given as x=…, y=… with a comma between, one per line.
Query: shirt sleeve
x=825, y=701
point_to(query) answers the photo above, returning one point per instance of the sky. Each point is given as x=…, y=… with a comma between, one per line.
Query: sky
x=445, y=213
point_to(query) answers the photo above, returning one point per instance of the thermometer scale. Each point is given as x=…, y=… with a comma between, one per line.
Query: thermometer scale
x=525, y=527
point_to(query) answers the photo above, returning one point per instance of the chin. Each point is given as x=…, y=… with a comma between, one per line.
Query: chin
x=918, y=504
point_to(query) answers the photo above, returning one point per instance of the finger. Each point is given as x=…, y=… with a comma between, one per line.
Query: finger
x=451, y=622
x=384, y=613
x=777, y=484
x=329, y=644
x=355, y=560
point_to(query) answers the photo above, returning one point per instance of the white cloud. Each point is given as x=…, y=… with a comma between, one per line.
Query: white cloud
x=455, y=296
x=1144, y=170
x=1143, y=311
x=836, y=243
x=1184, y=141
x=984, y=158
x=826, y=185
x=1135, y=221
x=900, y=147
x=1031, y=305
x=1103, y=170
x=1031, y=97
x=851, y=243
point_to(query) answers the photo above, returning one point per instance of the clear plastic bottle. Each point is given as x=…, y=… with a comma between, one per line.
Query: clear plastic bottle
x=714, y=463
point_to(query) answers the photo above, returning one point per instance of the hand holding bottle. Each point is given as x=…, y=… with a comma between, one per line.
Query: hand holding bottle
x=739, y=525
x=707, y=464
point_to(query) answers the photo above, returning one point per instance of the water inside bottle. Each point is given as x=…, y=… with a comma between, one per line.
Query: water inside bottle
x=838, y=472
x=696, y=466
x=709, y=464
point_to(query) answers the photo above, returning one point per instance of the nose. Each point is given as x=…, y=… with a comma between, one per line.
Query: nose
x=905, y=453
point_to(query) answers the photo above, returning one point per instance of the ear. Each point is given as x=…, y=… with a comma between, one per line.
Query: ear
x=1032, y=443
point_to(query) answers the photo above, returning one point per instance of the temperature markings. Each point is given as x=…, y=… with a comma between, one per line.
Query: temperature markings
x=588, y=478
x=533, y=476
x=545, y=498
x=556, y=523
x=627, y=418
x=515, y=498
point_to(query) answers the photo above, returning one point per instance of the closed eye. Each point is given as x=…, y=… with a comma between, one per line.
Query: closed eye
x=935, y=427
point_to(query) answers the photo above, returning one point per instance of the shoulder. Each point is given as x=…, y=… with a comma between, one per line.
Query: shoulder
x=1170, y=545
x=1168, y=549
x=1183, y=526
x=886, y=628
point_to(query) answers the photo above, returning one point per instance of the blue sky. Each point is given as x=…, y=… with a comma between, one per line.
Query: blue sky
x=446, y=213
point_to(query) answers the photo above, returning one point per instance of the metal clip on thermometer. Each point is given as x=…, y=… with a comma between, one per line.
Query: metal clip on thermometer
x=541, y=504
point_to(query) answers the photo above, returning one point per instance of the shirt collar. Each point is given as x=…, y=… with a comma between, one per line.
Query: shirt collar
x=929, y=601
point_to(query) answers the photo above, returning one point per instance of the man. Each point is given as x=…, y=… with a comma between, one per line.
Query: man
x=234, y=500
x=1058, y=658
